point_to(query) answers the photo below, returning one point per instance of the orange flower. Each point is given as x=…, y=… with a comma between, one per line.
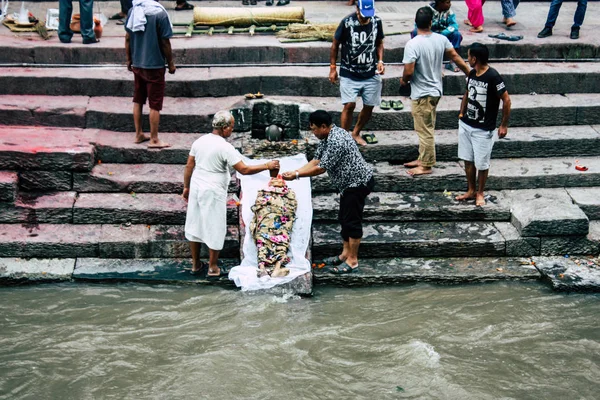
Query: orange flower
x=314, y=265
x=99, y=162
x=294, y=142
x=321, y=265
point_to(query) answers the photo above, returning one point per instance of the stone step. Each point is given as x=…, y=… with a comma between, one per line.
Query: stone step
x=520, y=78
x=428, y=239
x=452, y=270
x=104, y=241
x=546, y=212
x=402, y=146
x=136, y=178
x=35, y=208
x=588, y=199
x=452, y=239
x=195, y=114
x=505, y=174
x=40, y=148
x=141, y=208
x=8, y=186
x=406, y=207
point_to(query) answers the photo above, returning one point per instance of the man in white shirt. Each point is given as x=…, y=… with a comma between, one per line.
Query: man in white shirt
x=423, y=59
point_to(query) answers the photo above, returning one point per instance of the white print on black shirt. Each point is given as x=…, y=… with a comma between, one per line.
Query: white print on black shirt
x=362, y=45
x=477, y=100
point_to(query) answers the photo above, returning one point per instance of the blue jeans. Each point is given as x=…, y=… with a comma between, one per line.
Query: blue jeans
x=86, y=10
x=509, y=7
x=555, y=8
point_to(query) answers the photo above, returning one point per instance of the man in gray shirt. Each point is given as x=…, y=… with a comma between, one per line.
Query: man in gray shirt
x=423, y=59
x=148, y=49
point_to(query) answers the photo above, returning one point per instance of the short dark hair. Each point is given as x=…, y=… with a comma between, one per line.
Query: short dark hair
x=424, y=17
x=480, y=52
x=319, y=118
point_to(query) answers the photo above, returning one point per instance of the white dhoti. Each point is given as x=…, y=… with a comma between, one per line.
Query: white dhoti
x=206, y=218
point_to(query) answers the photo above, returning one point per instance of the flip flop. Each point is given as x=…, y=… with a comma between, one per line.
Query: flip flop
x=223, y=272
x=335, y=260
x=504, y=36
x=385, y=105
x=397, y=105
x=202, y=271
x=342, y=269
x=185, y=6
x=369, y=138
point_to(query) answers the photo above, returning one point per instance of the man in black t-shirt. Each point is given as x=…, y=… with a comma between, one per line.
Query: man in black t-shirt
x=477, y=124
x=361, y=37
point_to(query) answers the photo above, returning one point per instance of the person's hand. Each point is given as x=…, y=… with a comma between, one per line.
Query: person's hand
x=402, y=82
x=502, y=131
x=186, y=194
x=172, y=67
x=380, y=68
x=289, y=175
x=333, y=76
x=129, y=67
x=273, y=164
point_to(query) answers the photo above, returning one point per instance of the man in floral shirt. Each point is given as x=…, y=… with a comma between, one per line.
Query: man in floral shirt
x=338, y=155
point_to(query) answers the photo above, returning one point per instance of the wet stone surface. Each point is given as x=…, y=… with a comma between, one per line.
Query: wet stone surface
x=373, y=271
x=46, y=181
x=571, y=274
x=35, y=208
x=19, y=270
x=561, y=245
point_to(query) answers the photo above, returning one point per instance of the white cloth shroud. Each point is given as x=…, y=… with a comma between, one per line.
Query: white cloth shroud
x=245, y=275
x=141, y=8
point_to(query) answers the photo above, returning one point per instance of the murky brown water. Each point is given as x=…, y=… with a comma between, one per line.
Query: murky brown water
x=495, y=341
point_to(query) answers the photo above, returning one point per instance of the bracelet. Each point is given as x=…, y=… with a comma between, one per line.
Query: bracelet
x=267, y=165
x=297, y=175
x=380, y=61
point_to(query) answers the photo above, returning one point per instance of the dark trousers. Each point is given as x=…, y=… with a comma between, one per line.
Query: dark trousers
x=86, y=10
x=126, y=6
x=352, y=204
x=555, y=8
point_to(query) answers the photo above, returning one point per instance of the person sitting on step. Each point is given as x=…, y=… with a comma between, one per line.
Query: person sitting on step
x=444, y=22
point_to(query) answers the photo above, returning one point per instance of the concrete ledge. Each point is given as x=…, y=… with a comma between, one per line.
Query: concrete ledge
x=378, y=271
x=570, y=274
x=546, y=212
x=516, y=245
x=426, y=206
x=67, y=111
x=8, y=186
x=414, y=239
x=34, y=208
x=18, y=270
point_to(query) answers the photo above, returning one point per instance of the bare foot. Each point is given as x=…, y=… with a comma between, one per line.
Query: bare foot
x=360, y=141
x=510, y=22
x=262, y=272
x=476, y=29
x=466, y=196
x=420, y=170
x=159, y=144
x=277, y=273
x=351, y=2
x=467, y=22
x=141, y=139
x=480, y=200
x=412, y=164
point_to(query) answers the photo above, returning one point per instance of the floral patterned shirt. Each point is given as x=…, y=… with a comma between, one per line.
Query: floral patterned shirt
x=338, y=154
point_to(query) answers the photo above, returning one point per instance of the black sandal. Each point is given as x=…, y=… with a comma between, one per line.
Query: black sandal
x=202, y=272
x=343, y=269
x=333, y=261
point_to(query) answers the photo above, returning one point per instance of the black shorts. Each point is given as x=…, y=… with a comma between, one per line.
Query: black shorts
x=352, y=204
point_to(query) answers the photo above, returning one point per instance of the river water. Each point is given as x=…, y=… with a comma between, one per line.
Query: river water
x=489, y=341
